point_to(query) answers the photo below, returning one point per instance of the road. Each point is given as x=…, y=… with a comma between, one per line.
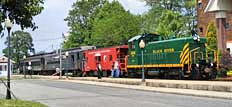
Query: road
x=67, y=94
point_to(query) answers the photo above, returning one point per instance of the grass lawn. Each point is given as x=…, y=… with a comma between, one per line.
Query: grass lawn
x=19, y=103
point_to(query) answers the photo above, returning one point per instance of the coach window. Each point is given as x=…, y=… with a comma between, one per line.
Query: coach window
x=78, y=56
x=0, y=67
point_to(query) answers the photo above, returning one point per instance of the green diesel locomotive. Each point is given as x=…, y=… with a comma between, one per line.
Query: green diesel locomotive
x=174, y=58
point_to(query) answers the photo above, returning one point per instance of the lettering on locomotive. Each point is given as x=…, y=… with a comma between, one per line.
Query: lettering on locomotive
x=169, y=50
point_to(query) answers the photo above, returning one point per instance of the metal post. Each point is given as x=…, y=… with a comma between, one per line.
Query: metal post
x=8, y=94
x=24, y=71
x=60, y=62
x=143, y=76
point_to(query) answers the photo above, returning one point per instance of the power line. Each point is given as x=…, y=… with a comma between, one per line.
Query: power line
x=45, y=40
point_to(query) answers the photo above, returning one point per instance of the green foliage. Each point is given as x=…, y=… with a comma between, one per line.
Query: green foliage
x=170, y=17
x=211, y=36
x=20, y=103
x=21, y=11
x=21, y=44
x=100, y=23
x=170, y=24
x=113, y=25
x=80, y=21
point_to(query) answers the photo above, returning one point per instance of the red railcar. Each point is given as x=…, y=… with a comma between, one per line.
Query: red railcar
x=106, y=57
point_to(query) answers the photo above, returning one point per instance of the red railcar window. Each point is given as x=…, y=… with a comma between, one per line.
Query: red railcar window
x=98, y=58
x=111, y=58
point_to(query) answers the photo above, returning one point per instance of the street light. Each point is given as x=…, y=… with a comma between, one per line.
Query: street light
x=8, y=25
x=24, y=72
x=142, y=46
x=65, y=36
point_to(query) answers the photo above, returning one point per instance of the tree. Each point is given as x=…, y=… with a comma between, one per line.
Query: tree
x=21, y=44
x=211, y=36
x=21, y=12
x=181, y=12
x=113, y=25
x=170, y=24
x=80, y=21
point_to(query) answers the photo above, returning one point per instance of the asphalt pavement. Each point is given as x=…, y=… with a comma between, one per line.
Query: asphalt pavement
x=69, y=94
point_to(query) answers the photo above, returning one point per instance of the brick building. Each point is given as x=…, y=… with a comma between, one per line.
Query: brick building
x=203, y=20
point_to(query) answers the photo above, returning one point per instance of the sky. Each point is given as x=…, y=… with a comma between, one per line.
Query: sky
x=51, y=24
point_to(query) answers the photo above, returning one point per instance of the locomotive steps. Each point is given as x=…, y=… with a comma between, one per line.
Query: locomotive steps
x=217, y=89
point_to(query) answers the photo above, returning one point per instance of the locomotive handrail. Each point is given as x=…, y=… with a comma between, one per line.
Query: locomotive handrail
x=216, y=58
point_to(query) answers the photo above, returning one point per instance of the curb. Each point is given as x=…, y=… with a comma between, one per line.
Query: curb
x=192, y=86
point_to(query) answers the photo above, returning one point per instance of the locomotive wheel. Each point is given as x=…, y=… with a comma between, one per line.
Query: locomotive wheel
x=213, y=74
x=195, y=75
x=131, y=74
x=180, y=75
x=166, y=75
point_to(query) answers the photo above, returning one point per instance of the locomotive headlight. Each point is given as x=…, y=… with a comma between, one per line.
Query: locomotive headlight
x=197, y=65
x=195, y=38
x=211, y=64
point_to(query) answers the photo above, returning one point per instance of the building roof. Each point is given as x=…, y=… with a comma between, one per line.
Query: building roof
x=4, y=59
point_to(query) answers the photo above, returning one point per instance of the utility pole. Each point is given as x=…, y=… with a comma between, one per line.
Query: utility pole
x=60, y=60
x=8, y=25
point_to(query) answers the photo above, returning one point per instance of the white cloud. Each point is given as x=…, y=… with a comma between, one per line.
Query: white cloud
x=134, y=6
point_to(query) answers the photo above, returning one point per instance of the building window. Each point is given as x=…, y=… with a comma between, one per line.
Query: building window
x=0, y=67
x=201, y=30
x=5, y=68
x=200, y=4
x=227, y=26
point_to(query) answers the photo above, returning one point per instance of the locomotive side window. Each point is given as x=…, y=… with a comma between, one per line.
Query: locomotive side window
x=132, y=45
x=0, y=67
